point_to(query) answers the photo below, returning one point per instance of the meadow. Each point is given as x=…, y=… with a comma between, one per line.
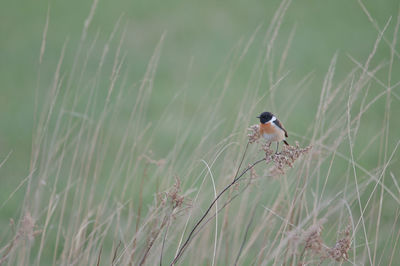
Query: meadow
x=125, y=133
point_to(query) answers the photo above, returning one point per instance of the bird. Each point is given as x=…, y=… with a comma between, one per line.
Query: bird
x=272, y=129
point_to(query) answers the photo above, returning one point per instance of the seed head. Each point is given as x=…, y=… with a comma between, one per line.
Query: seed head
x=254, y=134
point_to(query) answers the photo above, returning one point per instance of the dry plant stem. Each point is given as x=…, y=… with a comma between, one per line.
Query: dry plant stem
x=163, y=242
x=99, y=257
x=220, y=209
x=181, y=250
x=115, y=253
x=245, y=236
x=139, y=212
x=241, y=161
x=8, y=249
x=226, y=220
x=150, y=245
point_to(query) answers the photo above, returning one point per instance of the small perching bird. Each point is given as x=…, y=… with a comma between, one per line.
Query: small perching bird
x=272, y=129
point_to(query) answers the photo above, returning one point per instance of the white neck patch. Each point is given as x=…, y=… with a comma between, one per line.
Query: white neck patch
x=272, y=119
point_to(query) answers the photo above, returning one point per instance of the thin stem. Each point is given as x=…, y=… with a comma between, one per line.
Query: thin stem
x=241, y=161
x=220, y=209
x=189, y=238
x=245, y=237
x=163, y=243
x=115, y=253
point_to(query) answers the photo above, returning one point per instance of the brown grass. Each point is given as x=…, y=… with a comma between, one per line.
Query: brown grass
x=97, y=195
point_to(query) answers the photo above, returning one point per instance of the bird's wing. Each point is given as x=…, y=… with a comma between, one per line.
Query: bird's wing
x=278, y=123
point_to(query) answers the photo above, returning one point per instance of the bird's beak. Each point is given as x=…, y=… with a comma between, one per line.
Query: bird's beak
x=258, y=117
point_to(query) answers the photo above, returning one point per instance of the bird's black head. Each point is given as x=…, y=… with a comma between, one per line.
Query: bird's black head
x=265, y=117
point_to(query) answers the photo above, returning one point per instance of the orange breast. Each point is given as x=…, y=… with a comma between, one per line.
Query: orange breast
x=267, y=129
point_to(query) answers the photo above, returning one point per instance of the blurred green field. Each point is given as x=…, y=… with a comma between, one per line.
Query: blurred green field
x=203, y=42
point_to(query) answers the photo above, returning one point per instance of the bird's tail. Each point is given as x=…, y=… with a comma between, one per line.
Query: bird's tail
x=284, y=141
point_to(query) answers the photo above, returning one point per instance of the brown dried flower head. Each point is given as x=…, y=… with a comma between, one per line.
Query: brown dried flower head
x=254, y=134
x=341, y=249
x=285, y=158
x=312, y=239
x=173, y=194
x=28, y=226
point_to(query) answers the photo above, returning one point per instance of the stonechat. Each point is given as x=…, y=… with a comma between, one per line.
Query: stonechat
x=272, y=129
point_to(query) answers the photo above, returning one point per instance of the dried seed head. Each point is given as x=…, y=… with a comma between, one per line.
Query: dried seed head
x=341, y=249
x=27, y=225
x=173, y=194
x=312, y=239
x=285, y=158
x=254, y=134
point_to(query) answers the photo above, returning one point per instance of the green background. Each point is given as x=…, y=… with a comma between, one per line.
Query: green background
x=200, y=36
x=202, y=31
